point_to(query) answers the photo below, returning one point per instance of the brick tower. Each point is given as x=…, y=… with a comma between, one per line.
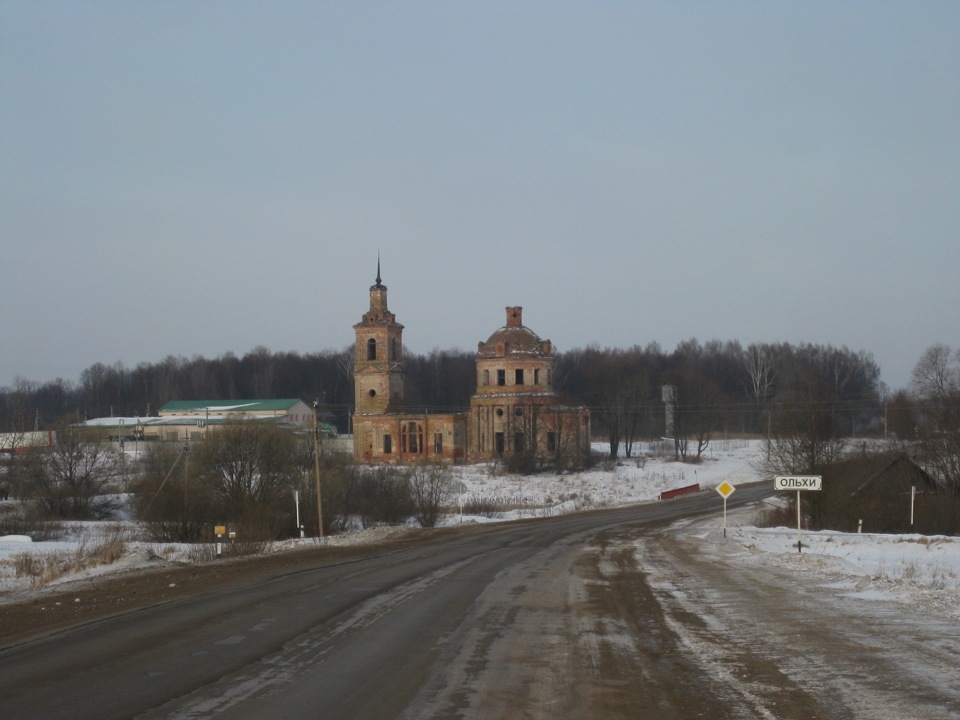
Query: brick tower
x=378, y=370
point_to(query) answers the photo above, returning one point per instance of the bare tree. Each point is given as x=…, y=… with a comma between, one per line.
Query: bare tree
x=936, y=385
x=14, y=437
x=70, y=478
x=163, y=499
x=805, y=437
x=524, y=455
x=431, y=486
x=248, y=471
x=615, y=383
x=563, y=444
x=758, y=360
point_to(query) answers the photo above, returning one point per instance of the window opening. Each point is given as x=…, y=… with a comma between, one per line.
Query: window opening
x=371, y=349
x=411, y=437
x=387, y=444
x=501, y=377
x=518, y=376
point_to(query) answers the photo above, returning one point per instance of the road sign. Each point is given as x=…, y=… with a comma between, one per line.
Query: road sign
x=725, y=489
x=797, y=482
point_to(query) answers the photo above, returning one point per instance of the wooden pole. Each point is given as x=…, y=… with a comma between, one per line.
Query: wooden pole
x=316, y=464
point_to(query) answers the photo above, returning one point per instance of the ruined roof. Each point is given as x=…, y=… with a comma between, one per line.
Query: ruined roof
x=514, y=338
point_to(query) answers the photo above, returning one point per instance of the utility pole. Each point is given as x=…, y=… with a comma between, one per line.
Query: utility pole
x=186, y=470
x=316, y=464
x=123, y=455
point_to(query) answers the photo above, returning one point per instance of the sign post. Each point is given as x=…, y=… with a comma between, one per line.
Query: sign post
x=913, y=499
x=220, y=531
x=798, y=483
x=296, y=502
x=726, y=490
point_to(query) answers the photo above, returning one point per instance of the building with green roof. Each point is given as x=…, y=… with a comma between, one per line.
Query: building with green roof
x=288, y=411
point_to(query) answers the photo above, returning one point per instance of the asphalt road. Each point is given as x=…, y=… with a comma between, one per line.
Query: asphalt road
x=502, y=620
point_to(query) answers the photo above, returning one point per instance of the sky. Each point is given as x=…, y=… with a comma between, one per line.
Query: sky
x=181, y=178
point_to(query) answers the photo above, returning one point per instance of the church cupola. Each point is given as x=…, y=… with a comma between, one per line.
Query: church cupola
x=378, y=302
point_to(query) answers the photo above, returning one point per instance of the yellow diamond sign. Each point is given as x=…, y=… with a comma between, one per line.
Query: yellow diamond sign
x=725, y=489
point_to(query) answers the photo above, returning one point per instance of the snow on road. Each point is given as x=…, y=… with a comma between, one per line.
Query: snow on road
x=866, y=624
x=857, y=625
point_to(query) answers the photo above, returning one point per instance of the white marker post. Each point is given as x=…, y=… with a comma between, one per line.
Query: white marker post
x=726, y=490
x=798, y=483
x=296, y=502
x=913, y=499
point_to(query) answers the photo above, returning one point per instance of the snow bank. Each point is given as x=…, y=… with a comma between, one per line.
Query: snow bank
x=866, y=563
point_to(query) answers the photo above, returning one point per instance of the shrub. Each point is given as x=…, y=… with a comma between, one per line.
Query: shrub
x=382, y=495
x=430, y=488
x=482, y=506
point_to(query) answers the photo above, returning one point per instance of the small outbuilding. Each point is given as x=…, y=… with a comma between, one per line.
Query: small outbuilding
x=882, y=490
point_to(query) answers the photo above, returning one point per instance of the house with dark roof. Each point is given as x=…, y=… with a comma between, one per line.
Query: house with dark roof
x=887, y=491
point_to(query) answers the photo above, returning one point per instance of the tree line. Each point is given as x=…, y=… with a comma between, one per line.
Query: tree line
x=806, y=400
x=720, y=386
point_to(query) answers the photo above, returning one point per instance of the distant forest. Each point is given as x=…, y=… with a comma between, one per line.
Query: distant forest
x=722, y=387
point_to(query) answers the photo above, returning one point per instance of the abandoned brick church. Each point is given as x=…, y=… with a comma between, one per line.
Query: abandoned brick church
x=514, y=409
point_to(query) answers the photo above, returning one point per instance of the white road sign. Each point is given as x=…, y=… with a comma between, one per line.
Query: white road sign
x=797, y=482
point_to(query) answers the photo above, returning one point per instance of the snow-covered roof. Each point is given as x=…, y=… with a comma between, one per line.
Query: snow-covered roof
x=271, y=405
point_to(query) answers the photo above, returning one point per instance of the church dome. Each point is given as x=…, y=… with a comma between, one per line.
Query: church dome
x=514, y=338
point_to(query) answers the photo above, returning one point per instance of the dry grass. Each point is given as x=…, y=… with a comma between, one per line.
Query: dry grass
x=207, y=552
x=45, y=568
x=14, y=521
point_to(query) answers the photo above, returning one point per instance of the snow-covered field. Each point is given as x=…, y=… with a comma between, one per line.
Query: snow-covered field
x=631, y=480
x=922, y=571
x=897, y=565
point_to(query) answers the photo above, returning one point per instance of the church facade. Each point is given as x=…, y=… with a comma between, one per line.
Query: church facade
x=514, y=410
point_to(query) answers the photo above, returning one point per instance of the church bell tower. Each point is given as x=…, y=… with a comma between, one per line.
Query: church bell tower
x=378, y=369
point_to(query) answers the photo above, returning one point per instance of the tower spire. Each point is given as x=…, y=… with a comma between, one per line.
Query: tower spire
x=378, y=269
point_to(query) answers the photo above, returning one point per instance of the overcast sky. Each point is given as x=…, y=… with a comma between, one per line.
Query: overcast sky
x=195, y=178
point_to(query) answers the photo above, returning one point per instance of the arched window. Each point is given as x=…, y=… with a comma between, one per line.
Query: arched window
x=411, y=437
x=371, y=349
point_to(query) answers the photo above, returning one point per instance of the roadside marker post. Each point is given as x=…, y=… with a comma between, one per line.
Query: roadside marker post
x=220, y=531
x=726, y=490
x=798, y=483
